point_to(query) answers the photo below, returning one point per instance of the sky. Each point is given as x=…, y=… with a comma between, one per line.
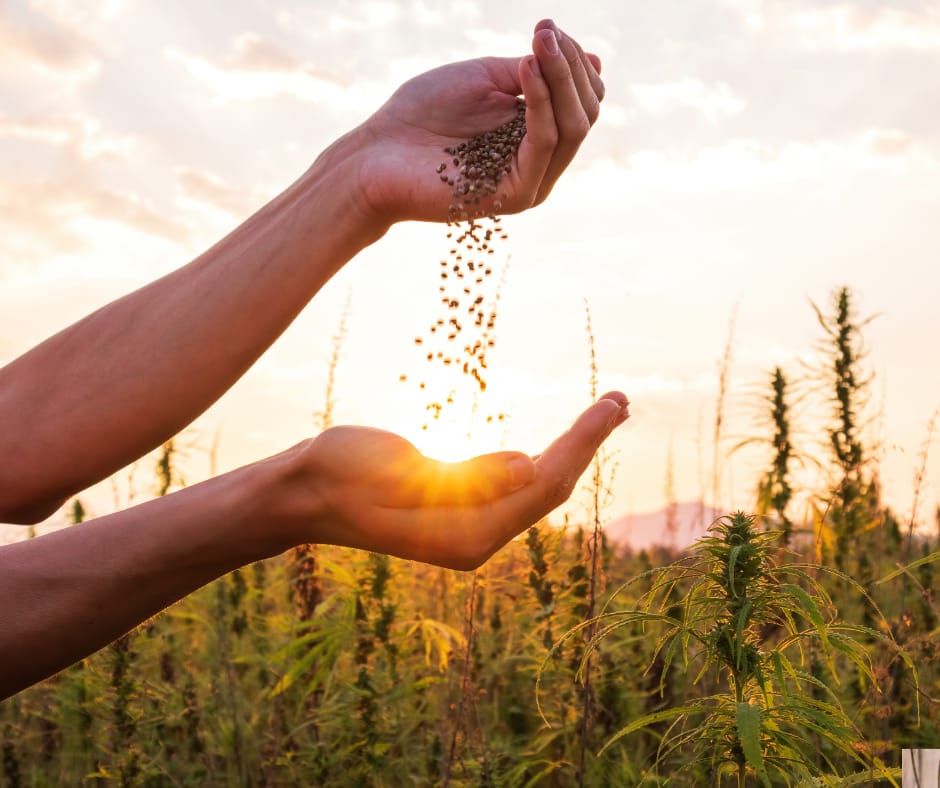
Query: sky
x=750, y=157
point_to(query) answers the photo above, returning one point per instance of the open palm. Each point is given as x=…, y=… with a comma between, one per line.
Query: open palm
x=375, y=491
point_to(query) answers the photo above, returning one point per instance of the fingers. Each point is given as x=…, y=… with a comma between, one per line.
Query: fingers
x=560, y=466
x=477, y=480
x=575, y=88
x=414, y=481
x=587, y=81
x=541, y=137
x=462, y=536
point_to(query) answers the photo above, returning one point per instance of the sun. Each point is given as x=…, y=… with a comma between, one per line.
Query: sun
x=453, y=423
x=451, y=439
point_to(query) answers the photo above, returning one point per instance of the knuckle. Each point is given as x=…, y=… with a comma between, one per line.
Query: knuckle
x=579, y=127
x=547, y=139
x=559, y=490
x=593, y=109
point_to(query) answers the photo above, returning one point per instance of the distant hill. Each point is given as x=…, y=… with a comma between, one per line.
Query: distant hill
x=644, y=530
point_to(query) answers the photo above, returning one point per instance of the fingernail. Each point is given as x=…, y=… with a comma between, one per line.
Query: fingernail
x=623, y=415
x=614, y=414
x=521, y=472
x=551, y=43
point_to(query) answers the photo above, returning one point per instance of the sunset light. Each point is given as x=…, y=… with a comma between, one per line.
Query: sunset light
x=719, y=174
x=469, y=393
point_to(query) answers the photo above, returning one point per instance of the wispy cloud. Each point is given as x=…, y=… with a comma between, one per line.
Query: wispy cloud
x=254, y=53
x=78, y=134
x=712, y=101
x=40, y=43
x=259, y=68
x=853, y=26
x=211, y=190
x=744, y=164
x=845, y=25
x=365, y=15
x=40, y=220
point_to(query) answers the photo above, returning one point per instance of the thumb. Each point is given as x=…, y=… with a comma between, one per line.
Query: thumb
x=483, y=478
x=561, y=464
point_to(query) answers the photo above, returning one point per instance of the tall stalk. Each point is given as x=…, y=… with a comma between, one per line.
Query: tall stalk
x=724, y=372
x=307, y=593
x=774, y=490
x=587, y=709
x=851, y=509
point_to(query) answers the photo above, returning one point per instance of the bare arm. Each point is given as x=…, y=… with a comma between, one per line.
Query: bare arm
x=109, y=388
x=119, y=382
x=71, y=592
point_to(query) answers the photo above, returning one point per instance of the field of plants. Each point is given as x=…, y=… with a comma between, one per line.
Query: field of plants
x=795, y=645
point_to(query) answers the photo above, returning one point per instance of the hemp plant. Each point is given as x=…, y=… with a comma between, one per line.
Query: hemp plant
x=747, y=633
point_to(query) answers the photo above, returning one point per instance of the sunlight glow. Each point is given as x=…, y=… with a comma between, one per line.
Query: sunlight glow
x=449, y=419
x=453, y=439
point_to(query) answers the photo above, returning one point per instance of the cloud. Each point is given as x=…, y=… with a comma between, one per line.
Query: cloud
x=42, y=44
x=259, y=68
x=747, y=163
x=254, y=53
x=80, y=134
x=211, y=190
x=51, y=214
x=43, y=219
x=364, y=15
x=712, y=101
x=891, y=143
x=87, y=15
x=845, y=25
x=489, y=40
x=855, y=27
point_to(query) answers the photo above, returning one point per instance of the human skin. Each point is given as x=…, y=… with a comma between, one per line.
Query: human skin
x=104, y=391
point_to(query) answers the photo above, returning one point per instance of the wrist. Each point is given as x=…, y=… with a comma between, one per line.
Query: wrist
x=339, y=180
x=289, y=501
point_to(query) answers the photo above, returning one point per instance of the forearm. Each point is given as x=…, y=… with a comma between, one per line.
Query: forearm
x=67, y=594
x=116, y=384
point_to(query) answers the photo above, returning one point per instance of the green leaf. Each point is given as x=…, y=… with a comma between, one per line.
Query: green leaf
x=748, y=717
x=649, y=719
x=732, y=561
x=778, y=672
x=913, y=565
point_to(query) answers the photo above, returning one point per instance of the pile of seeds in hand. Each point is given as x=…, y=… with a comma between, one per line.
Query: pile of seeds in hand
x=463, y=333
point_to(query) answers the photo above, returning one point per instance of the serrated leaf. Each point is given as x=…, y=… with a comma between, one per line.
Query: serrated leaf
x=913, y=565
x=748, y=719
x=649, y=719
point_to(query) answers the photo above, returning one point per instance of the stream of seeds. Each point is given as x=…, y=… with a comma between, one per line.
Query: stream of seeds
x=462, y=334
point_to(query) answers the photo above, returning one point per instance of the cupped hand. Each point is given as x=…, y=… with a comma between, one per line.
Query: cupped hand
x=373, y=490
x=405, y=139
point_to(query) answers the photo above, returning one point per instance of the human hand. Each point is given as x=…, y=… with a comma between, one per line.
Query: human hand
x=405, y=140
x=373, y=490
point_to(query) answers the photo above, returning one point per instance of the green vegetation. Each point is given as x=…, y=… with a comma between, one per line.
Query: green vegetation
x=773, y=651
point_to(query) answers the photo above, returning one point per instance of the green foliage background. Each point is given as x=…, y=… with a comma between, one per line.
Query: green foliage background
x=326, y=666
